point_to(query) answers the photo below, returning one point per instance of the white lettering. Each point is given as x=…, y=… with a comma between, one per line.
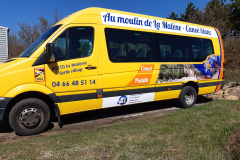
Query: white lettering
x=145, y=80
x=146, y=68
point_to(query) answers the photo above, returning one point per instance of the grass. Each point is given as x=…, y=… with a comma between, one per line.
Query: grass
x=202, y=132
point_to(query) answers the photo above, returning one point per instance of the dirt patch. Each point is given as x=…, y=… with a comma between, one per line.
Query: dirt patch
x=236, y=109
x=107, y=121
x=233, y=146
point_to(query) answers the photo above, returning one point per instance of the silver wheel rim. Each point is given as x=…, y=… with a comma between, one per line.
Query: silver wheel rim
x=30, y=117
x=189, y=97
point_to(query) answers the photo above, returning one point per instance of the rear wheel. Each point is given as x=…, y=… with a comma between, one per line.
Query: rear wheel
x=30, y=116
x=187, y=97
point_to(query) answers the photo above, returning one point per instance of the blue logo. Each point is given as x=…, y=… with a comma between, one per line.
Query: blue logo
x=122, y=100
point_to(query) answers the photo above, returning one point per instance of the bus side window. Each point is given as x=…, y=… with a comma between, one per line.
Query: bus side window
x=75, y=42
x=171, y=48
x=116, y=44
x=140, y=46
x=129, y=46
x=201, y=49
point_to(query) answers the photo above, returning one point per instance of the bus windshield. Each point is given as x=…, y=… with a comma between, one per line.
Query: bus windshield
x=34, y=46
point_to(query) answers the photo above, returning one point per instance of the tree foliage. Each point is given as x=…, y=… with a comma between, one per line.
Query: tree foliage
x=232, y=49
x=235, y=15
x=191, y=13
x=217, y=13
x=44, y=24
x=173, y=16
x=15, y=45
x=27, y=34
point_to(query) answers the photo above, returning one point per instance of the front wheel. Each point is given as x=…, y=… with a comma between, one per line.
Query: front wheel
x=187, y=97
x=30, y=116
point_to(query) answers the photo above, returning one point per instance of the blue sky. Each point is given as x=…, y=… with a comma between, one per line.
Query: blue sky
x=14, y=11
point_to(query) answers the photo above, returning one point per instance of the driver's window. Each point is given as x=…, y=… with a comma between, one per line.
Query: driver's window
x=60, y=45
x=76, y=42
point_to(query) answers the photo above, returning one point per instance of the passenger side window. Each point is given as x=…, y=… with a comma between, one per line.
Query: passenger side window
x=129, y=46
x=117, y=45
x=76, y=42
x=140, y=47
x=201, y=48
x=171, y=48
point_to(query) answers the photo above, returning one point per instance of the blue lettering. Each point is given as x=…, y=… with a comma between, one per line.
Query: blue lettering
x=108, y=18
x=204, y=31
x=120, y=19
x=190, y=29
x=148, y=23
x=156, y=24
x=140, y=23
x=133, y=21
x=171, y=26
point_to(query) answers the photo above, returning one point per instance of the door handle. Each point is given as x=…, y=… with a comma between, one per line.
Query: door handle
x=90, y=67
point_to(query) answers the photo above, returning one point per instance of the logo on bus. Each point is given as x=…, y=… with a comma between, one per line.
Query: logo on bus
x=122, y=100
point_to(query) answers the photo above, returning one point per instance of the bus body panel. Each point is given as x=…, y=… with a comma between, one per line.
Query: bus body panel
x=18, y=74
x=70, y=79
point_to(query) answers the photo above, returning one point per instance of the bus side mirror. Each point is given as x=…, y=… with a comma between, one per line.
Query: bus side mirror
x=50, y=52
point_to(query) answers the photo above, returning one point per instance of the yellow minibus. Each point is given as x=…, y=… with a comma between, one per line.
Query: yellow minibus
x=100, y=58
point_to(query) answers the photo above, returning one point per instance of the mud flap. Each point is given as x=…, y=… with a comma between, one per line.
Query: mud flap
x=57, y=113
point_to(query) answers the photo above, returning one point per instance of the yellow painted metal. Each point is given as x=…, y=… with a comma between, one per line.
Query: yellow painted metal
x=85, y=105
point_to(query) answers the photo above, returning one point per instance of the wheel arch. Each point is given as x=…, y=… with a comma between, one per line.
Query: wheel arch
x=193, y=84
x=32, y=94
x=25, y=91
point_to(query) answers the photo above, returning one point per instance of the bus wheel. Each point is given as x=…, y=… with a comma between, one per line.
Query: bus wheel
x=187, y=97
x=30, y=116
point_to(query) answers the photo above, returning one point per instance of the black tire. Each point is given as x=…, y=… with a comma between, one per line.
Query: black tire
x=29, y=116
x=187, y=97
